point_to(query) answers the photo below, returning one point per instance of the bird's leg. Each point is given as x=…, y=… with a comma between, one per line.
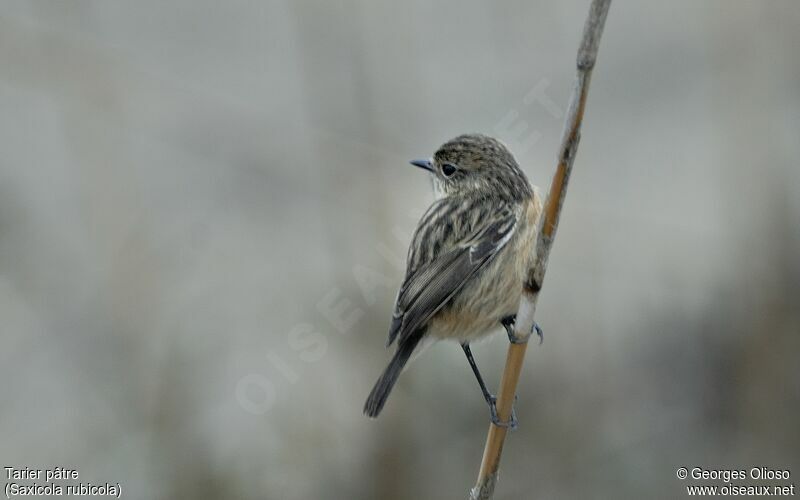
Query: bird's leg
x=508, y=324
x=490, y=399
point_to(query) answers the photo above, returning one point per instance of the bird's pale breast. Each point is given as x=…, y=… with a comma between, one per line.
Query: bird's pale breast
x=495, y=292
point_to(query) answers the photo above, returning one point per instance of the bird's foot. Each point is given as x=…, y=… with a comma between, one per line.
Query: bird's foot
x=539, y=332
x=512, y=422
x=508, y=324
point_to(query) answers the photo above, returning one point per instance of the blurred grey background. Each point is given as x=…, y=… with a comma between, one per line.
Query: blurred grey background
x=204, y=208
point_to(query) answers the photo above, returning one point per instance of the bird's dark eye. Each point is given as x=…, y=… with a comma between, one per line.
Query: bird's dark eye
x=448, y=169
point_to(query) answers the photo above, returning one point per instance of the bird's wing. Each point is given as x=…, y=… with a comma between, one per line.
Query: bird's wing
x=428, y=288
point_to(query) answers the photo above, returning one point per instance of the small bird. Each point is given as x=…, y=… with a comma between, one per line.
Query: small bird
x=468, y=257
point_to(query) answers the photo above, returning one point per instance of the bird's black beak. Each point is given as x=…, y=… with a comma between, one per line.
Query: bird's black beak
x=426, y=164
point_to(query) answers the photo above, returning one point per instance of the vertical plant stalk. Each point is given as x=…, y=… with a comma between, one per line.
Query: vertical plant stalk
x=587, y=55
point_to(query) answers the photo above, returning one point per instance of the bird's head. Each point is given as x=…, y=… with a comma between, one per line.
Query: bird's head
x=475, y=164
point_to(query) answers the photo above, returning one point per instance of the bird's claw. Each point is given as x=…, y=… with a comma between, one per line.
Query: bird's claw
x=539, y=332
x=512, y=422
x=508, y=324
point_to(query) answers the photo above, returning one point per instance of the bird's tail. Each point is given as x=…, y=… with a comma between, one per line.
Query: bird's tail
x=380, y=393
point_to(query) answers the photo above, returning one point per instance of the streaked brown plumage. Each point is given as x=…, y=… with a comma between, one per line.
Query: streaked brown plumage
x=468, y=255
